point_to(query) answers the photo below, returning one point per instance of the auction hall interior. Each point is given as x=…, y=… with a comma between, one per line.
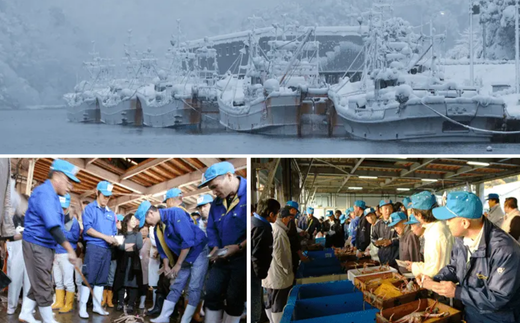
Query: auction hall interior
x=385, y=240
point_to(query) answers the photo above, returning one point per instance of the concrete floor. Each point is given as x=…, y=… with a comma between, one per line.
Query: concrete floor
x=72, y=316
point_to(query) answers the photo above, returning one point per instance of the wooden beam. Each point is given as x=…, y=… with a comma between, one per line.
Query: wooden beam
x=106, y=175
x=209, y=161
x=28, y=185
x=89, y=161
x=188, y=179
x=144, y=166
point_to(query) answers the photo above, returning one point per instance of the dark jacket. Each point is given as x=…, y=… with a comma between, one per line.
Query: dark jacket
x=336, y=239
x=387, y=255
x=490, y=282
x=409, y=247
x=313, y=224
x=363, y=234
x=296, y=246
x=129, y=271
x=261, y=247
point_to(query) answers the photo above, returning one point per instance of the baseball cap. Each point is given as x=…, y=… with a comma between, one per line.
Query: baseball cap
x=459, y=204
x=423, y=200
x=204, y=199
x=215, y=170
x=172, y=192
x=62, y=166
x=65, y=201
x=396, y=217
x=384, y=202
x=105, y=188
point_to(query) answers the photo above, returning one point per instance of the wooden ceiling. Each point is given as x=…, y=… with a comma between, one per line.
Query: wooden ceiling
x=134, y=179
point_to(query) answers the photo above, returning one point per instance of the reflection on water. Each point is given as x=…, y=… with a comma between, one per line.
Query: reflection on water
x=49, y=132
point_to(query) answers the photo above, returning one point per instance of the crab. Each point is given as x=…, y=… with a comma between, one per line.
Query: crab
x=418, y=317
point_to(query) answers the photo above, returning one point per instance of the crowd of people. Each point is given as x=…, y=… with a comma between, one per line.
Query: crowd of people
x=455, y=250
x=195, y=263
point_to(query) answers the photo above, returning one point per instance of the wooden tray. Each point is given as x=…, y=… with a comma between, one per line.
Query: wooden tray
x=455, y=316
x=361, y=282
x=382, y=304
x=359, y=263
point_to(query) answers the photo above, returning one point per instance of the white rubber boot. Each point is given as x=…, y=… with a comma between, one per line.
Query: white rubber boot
x=236, y=319
x=85, y=293
x=143, y=300
x=188, y=313
x=26, y=314
x=277, y=317
x=154, y=298
x=98, y=293
x=47, y=315
x=213, y=316
x=166, y=312
x=269, y=315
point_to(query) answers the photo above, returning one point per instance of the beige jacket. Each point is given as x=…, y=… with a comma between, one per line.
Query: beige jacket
x=280, y=274
x=506, y=225
x=438, y=243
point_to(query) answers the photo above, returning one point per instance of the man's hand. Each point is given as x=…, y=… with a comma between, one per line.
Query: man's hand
x=231, y=250
x=174, y=271
x=213, y=254
x=424, y=281
x=111, y=241
x=445, y=288
x=73, y=259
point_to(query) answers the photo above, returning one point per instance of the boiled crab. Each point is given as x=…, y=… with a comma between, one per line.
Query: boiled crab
x=419, y=317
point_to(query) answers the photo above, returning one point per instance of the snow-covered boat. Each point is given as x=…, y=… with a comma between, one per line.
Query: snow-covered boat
x=396, y=100
x=184, y=95
x=280, y=94
x=82, y=106
x=120, y=106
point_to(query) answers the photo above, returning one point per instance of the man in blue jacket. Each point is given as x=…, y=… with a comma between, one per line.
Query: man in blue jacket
x=99, y=225
x=227, y=224
x=63, y=270
x=175, y=233
x=43, y=231
x=484, y=269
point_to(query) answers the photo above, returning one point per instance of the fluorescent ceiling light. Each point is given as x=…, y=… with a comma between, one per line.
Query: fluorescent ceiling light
x=401, y=157
x=355, y=188
x=368, y=177
x=473, y=163
x=428, y=180
x=403, y=189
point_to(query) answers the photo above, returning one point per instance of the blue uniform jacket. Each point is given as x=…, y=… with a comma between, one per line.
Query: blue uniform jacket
x=180, y=233
x=102, y=220
x=227, y=225
x=72, y=236
x=490, y=282
x=352, y=228
x=43, y=213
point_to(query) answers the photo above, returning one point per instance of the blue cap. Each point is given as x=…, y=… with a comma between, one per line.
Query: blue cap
x=460, y=204
x=369, y=210
x=342, y=218
x=412, y=220
x=120, y=217
x=172, y=192
x=349, y=210
x=65, y=201
x=407, y=202
x=493, y=196
x=310, y=210
x=423, y=200
x=330, y=213
x=215, y=170
x=204, y=199
x=140, y=214
x=384, y=202
x=360, y=204
x=62, y=166
x=293, y=204
x=397, y=217
x=105, y=188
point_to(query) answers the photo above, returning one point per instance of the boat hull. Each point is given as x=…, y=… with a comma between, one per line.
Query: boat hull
x=126, y=112
x=87, y=111
x=187, y=112
x=283, y=115
x=417, y=123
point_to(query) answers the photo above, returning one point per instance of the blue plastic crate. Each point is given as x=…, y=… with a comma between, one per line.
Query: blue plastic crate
x=319, y=254
x=320, y=267
x=329, y=305
x=320, y=241
x=324, y=289
x=367, y=316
